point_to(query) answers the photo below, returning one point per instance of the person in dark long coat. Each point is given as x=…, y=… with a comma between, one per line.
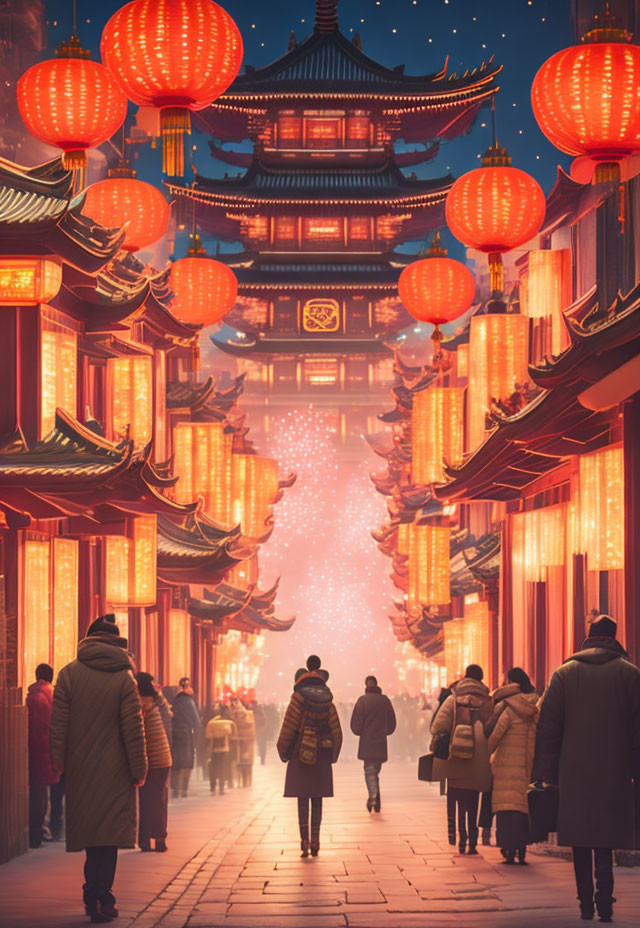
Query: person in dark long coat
x=588, y=743
x=309, y=743
x=41, y=772
x=185, y=726
x=373, y=720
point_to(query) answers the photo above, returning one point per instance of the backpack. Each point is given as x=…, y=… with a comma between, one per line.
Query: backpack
x=314, y=732
x=462, y=739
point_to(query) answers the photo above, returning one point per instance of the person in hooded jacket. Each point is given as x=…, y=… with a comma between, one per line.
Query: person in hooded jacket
x=186, y=725
x=469, y=705
x=588, y=744
x=512, y=741
x=41, y=772
x=97, y=740
x=309, y=743
x=373, y=720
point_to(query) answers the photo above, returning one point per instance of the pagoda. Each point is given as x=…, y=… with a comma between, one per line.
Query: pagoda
x=324, y=201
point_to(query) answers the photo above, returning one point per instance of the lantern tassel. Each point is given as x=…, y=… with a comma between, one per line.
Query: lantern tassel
x=622, y=214
x=175, y=123
x=496, y=272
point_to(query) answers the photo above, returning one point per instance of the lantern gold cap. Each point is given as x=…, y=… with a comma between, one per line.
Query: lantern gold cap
x=496, y=157
x=605, y=28
x=436, y=249
x=123, y=169
x=71, y=48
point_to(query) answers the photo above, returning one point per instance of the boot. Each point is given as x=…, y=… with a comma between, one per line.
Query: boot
x=522, y=853
x=315, y=840
x=510, y=857
x=369, y=804
x=451, y=827
x=161, y=845
x=109, y=908
x=376, y=803
x=304, y=840
x=99, y=918
x=486, y=836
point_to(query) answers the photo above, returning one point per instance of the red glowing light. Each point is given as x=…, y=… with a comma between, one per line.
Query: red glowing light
x=119, y=200
x=436, y=289
x=204, y=290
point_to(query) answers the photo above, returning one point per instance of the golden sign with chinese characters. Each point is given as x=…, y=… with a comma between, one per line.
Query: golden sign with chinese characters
x=321, y=315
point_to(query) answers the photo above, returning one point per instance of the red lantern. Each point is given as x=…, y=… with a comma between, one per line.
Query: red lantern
x=204, y=290
x=175, y=55
x=436, y=289
x=120, y=199
x=495, y=208
x=71, y=102
x=585, y=98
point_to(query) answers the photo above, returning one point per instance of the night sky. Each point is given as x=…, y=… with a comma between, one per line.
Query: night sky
x=521, y=34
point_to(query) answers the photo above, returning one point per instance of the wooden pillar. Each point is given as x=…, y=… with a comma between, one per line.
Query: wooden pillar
x=19, y=371
x=493, y=601
x=540, y=636
x=631, y=438
x=579, y=605
x=506, y=598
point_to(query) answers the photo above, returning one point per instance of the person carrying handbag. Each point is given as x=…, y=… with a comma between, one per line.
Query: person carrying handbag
x=309, y=743
x=468, y=771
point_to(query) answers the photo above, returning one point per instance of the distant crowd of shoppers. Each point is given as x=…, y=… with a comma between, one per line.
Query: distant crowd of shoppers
x=106, y=731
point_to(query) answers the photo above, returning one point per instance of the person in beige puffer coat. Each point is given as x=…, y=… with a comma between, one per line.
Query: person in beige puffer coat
x=512, y=745
x=98, y=742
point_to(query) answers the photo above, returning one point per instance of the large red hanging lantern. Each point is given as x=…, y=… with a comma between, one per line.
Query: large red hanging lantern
x=71, y=102
x=174, y=55
x=204, y=290
x=121, y=199
x=436, y=288
x=586, y=98
x=495, y=208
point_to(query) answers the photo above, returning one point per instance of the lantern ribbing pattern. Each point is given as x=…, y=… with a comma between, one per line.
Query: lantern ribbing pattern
x=204, y=290
x=436, y=289
x=175, y=55
x=117, y=201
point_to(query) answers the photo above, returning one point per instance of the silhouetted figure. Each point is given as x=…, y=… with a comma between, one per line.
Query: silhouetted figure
x=588, y=743
x=221, y=731
x=41, y=772
x=462, y=716
x=512, y=737
x=97, y=739
x=310, y=741
x=186, y=724
x=153, y=797
x=373, y=720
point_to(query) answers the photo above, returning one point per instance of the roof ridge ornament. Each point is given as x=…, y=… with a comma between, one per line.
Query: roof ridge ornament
x=326, y=16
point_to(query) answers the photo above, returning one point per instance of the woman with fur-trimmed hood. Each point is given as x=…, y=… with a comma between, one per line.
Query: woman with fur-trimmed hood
x=309, y=743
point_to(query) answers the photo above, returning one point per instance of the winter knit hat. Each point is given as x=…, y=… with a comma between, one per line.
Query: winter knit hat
x=104, y=624
x=603, y=626
x=145, y=684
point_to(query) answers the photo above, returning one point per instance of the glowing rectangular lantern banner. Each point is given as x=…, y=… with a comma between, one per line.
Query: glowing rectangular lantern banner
x=602, y=509
x=429, y=567
x=29, y=281
x=437, y=423
x=202, y=458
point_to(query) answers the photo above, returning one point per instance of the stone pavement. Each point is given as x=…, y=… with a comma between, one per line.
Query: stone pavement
x=234, y=861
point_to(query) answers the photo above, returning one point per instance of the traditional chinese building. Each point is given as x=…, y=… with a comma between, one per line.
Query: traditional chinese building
x=322, y=205
x=105, y=438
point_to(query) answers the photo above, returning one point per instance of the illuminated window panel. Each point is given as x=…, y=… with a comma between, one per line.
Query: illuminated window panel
x=202, y=458
x=286, y=229
x=58, y=376
x=359, y=229
x=37, y=606
x=323, y=230
x=179, y=646
x=539, y=541
x=130, y=564
x=601, y=509
x=462, y=361
x=321, y=372
x=358, y=131
x=323, y=133
x=289, y=131
x=437, y=432
x=130, y=382
x=545, y=290
x=65, y=601
x=498, y=360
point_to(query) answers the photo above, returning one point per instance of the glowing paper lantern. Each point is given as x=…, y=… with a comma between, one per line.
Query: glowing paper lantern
x=122, y=199
x=539, y=540
x=437, y=432
x=28, y=281
x=37, y=605
x=130, y=389
x=204, y=290
x=436, y=289
x=71, y=102
x=466, y=640
x=254, y=488
x=58, y=375
x=429, y=573
x=65, y=600
x=585, y=98
x=602, y=509
x=495, y=208
x=498, y=359
x=130, y=564
x=179, y=645
x=175, y=55
x=545, y=290
x=202, y=458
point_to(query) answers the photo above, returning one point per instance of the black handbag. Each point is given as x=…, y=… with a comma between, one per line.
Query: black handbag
x=543, y=811
x=425, y=767
x=441, y=745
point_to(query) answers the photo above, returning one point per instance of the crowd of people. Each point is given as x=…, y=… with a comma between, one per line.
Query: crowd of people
x=107, y=732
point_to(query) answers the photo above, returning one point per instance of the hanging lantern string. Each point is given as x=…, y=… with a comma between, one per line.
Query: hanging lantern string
x=75, y=18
